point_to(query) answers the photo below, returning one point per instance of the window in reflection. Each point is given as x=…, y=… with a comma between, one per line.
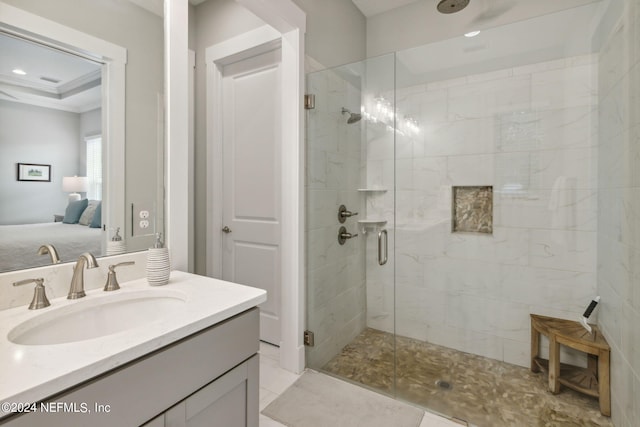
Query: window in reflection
x=94, y=167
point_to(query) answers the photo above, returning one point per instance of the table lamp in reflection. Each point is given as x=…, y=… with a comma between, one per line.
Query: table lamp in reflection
x=75, y=185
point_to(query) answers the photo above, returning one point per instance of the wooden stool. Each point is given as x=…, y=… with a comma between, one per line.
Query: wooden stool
x=594, y=380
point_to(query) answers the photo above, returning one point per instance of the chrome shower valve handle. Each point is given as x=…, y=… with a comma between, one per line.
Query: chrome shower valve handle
x=343, y=235
x=343, y=214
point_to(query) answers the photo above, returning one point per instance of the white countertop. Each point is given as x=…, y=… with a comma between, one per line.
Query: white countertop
x=31, y=373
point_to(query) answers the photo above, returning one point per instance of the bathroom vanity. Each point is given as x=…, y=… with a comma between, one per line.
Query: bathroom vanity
x=196, y=365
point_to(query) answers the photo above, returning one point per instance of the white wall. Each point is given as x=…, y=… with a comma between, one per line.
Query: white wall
x=36, y=135
x=47, y=136
x=619, y=210
x=91, y=123
x=336, y=31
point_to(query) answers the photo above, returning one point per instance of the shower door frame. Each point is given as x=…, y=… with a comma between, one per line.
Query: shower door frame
x=343, y=85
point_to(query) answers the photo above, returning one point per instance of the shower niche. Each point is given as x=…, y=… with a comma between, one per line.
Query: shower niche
x=472, y=209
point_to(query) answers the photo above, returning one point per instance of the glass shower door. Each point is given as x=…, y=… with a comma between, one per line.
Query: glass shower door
x=349, y=222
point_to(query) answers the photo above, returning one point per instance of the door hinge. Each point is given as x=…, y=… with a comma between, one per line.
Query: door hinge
x=309, y=101
x=308, y=339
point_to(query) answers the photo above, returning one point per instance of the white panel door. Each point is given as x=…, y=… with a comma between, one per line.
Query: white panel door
x=251, y=181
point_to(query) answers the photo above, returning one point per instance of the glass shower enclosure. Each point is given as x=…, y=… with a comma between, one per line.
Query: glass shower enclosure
x=482, y=181
x=350, y=212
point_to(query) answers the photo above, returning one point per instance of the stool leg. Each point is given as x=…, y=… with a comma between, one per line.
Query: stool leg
x=535, y=348
x=604, y=389
x=592, y=364
x=554, y=364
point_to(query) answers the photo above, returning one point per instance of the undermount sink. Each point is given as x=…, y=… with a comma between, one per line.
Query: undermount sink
x=97, y=316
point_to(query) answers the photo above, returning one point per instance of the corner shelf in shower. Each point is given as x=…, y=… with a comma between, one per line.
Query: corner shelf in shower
x=371, y=224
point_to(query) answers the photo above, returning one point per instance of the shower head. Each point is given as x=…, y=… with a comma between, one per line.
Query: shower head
x=353, y=117
x=452, y=6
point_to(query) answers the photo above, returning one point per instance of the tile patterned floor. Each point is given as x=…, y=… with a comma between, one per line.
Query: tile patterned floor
x=274, y=381
x=483, y=391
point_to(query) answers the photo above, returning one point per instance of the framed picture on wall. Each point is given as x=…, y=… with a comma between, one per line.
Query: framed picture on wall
x=34, y=172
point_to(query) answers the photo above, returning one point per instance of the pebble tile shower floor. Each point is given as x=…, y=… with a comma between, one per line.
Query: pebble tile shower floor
x=485, y=392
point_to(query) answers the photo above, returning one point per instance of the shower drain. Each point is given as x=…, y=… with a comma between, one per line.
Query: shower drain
x=445, y=385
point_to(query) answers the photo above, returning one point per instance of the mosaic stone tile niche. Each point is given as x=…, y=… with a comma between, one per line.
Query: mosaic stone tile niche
x=472, y=209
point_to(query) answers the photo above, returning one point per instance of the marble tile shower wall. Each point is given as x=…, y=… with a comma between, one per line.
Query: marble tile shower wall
x=530, y=132
x=618, y=211
x=335, y=273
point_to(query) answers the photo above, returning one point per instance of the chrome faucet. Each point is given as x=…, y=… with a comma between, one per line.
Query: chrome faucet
x=51, y=250
x=77, y=281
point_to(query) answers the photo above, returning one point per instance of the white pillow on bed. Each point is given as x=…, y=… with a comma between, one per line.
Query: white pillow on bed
x=87, y=215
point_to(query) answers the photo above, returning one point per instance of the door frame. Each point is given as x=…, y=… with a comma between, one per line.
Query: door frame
x=286, y=27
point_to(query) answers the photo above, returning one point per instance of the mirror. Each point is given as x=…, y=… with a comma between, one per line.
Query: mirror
x=72, y=109
x=50, y=113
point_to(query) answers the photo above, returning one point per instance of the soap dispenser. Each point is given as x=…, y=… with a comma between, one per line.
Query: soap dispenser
x=116, y=245
x=158, y=263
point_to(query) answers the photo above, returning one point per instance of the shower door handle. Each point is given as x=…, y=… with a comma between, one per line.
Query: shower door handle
x=381, y=260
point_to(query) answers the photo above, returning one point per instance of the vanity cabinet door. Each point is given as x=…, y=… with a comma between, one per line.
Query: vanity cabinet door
x=229, y=401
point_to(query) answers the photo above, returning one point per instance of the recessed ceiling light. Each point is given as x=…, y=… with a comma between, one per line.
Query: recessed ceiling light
x=19, y=72
x=472, y=33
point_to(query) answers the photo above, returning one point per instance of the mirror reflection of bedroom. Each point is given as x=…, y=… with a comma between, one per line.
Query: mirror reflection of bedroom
x=50, y=154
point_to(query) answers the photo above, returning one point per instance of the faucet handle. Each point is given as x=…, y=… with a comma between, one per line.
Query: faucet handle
x=112, y=281
x=39, y=295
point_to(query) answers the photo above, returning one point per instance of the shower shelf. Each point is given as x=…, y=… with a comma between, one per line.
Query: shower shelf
x=372, y=190
x=371, y=224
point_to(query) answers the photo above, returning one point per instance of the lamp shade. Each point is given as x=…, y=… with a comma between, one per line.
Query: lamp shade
x=75, y=184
